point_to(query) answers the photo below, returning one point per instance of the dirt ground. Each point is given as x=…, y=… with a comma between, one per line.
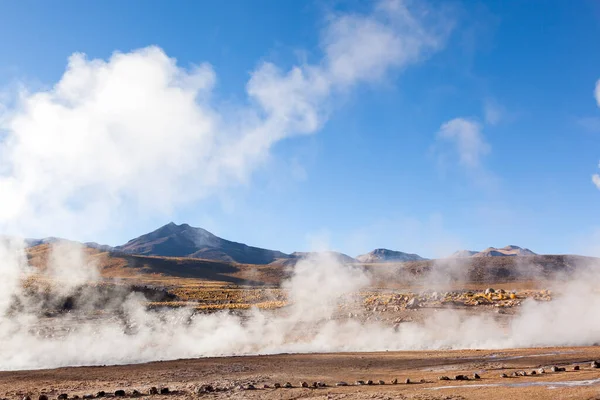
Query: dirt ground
x=230, y=376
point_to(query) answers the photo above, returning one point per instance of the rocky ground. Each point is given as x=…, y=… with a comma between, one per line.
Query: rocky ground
x=510, y=374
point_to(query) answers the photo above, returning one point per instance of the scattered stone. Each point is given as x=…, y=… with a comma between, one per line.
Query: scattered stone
x=277, y=385
x=304, y=384
x=43, y=397
x=369, y=382
x=395, y=381
x=407, y=381
x=595, y=364
x=534, y=372
x=321, y=384
x=381, y=382
x=476, y=376
x=26, y=398
x=75, y=397
x=461, y=378
x=136, y=393
x=503, y=376
x=557, y=369
x=489, y=291
x=101, y=393
x=164, y=390
x=265, y=386
x=341, y=384
x=203, y=389
x=288, y=385
x=314, y=385
x=250, y=387
x=413, y=303
x=541, y=371
x=444, y=378
x=63, y=396
x=423, y=381
x=88, y=396
x=360, y=383
x=119, y=393
x=576, y=368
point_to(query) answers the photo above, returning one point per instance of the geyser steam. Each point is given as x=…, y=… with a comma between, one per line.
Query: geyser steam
x=138, y=134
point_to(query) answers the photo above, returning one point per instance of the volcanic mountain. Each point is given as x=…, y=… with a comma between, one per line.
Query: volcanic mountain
x=385, y=255
x=174, y=240
x=510, y=251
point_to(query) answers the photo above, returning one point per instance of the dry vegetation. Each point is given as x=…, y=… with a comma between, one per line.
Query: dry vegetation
x=214, y=285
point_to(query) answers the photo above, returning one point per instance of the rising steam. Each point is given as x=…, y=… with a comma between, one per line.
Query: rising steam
x=138, y=134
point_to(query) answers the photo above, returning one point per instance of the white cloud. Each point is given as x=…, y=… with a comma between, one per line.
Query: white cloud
x=493, y=112
x=466, y=136
x=118, y=138
x=596, y=179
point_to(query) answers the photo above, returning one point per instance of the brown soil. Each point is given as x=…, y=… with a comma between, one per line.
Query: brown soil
x=233, y=374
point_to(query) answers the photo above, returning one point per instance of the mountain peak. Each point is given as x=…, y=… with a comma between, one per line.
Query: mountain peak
x=510, y=251
x=172, y=240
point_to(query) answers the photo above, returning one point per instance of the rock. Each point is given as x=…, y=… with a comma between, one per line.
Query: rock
x=381, y=382
x=461, y=378
x=277, y=385
x=576, y=368
x=265, y=386
x=423, y=381
x=503, y=376
x=444, y=378
x=250, y=387
x=153, y=390
x=88, y=396
x=304, y=384
x=489, y=291
x=43, y=397
x=119, y=393
x=164, y=390
x=476, y=376
x=407, y=381
x=341, y=384
x=557, y=369
x=63, y=396
x=314, y=385
x=26, y=397
x=595, y=364
x=534, y=372
x=541, y=371
x=75, y=397
x=395, y=381
x=321, y=384
x=413, y=303
x=204, y=389
x=369, y=382
x=360, y=383
x=136, y=393
x=101, y=393
x=288, y=385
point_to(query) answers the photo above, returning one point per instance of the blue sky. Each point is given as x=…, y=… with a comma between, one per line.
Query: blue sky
x=378, y=171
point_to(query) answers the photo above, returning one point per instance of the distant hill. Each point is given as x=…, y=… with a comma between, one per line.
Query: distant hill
x=174, y=240
x=510, y=251
x=385, y=255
